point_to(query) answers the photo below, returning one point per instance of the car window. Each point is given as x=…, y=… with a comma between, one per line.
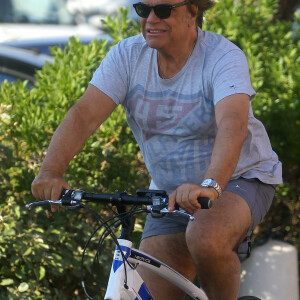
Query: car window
x=7, y=77
x=12, y=78
x=35, y=12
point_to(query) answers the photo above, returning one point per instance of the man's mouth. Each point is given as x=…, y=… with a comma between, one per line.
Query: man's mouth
x=155, y=31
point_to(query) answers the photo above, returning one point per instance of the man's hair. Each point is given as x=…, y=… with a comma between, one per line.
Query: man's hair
x=203, y=5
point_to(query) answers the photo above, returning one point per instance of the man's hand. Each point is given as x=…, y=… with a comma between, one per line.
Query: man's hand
x=187, y=194
x=47, y=186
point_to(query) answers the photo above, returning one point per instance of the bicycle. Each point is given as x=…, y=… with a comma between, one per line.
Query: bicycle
x=125, y=283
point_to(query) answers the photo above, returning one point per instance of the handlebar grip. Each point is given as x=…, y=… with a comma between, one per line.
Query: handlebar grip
x=205, y=202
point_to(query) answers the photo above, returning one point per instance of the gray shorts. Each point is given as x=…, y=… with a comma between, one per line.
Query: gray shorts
x=258, y=195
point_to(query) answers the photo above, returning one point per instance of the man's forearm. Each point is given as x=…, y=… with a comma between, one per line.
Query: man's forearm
x=229, y=141
x=80, y=122
x=66, y=142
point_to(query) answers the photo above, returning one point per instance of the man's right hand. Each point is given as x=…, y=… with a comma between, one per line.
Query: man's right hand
x=48, y=187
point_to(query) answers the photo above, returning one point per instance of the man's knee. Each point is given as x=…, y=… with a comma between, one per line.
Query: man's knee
x=218, y=232
x=205, y=243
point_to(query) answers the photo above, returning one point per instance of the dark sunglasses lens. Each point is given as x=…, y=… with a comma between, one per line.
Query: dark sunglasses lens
x=163, y=11
x=142, y=10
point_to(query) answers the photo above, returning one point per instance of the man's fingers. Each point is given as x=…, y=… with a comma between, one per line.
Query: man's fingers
x=186, y=197
x=172, y=201
x=54, y=207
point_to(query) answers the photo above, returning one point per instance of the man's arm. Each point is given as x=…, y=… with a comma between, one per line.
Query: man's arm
x=232, y=122
x=80, y=122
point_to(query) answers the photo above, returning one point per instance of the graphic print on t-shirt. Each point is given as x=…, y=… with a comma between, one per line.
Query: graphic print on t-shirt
x=159, y=113
x=175, y=133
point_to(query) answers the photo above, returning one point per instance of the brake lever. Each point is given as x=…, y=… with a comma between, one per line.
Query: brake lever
x=74, y=208
x=74, y=202
x=43, y=203
x=156, y=210
x=159, y=211
x=178, y=213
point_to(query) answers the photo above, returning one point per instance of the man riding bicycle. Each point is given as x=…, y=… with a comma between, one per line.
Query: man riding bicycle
x=187, y=97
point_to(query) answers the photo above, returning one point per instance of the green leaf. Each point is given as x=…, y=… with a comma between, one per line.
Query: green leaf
x=42, y=272
x=23, y=287
x=27, y=252
x=9, y=232
x=7, y=281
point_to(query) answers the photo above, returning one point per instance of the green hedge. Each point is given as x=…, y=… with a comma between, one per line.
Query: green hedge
x=39, y=251
x=273, y=53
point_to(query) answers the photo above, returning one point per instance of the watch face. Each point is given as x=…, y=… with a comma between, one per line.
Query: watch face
x=208, y=182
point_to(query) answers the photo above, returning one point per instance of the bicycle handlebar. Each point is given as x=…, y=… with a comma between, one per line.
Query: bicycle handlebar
x=143, y=197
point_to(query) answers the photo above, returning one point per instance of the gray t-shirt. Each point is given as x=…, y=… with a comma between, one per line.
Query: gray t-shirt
x=173, y=120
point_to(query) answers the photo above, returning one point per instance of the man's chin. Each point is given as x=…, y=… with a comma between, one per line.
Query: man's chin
x=154, y=45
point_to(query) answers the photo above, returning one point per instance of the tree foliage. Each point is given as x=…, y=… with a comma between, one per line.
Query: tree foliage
x=286, y=10
x=40, y=252
x=273, y=54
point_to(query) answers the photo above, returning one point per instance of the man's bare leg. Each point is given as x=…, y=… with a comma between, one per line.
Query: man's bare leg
x=172, y=250
x=212, y=240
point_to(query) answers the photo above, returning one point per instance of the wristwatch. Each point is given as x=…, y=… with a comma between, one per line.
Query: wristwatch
x=209, y=182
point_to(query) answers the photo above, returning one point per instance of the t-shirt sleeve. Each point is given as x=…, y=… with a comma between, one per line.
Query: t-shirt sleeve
x=231, y=76
x=111, y=77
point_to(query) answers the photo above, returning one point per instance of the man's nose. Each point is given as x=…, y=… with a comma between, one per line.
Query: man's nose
x=152, y=16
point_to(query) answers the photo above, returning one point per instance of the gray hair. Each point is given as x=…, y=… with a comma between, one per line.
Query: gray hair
x=203, y=5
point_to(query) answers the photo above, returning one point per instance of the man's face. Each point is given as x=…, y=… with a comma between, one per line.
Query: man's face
x=163, y=34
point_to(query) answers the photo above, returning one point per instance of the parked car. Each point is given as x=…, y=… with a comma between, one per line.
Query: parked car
x=39, y=24
x=95, y=10
x=20, y=64
x=42, y=45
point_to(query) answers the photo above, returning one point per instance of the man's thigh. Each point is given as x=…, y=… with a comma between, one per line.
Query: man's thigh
x=228, y=220
x=172, y=250
x=221, y=228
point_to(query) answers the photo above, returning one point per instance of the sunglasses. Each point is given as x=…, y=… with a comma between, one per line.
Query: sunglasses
x=162, y=11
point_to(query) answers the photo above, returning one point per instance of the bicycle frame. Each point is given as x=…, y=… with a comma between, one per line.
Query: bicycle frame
x=131, y=286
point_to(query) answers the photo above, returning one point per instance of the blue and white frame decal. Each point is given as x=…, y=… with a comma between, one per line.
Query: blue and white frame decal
x=144, y=293
x=118, y=258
